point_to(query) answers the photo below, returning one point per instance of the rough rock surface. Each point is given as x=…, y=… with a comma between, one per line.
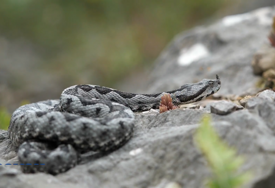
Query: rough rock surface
x=269, y=95
x=225, y=48
x=224, y=107
x=162, y=152
x=264, y=59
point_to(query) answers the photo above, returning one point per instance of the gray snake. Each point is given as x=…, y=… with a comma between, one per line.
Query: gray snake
x=50, y=135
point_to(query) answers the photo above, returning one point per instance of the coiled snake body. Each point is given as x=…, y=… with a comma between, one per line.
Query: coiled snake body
x=51, y=134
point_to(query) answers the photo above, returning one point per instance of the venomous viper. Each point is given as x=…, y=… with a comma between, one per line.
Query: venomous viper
x=50, y=135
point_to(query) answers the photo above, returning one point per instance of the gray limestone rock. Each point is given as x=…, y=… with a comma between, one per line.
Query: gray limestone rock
x=224, y=107
x=162, y=151
x=251, y=103
x=268, y=95
x=225, y=48
x=264, y=107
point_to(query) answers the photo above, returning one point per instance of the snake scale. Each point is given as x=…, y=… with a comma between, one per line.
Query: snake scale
x=50, y=135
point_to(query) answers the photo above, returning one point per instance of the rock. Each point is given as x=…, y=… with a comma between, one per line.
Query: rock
x=9, y=177
x=264, y=59
x=162, y=152
x=264, y=109
x=3, y=135
x=225, y=48
x=224, y=107
x=267, y=181
x=268, y=95
x=7, y=172
x=167, y=151
x=253, y=102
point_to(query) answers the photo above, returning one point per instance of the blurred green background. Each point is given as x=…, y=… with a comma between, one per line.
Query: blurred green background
x=100, y=41
x=47, y=45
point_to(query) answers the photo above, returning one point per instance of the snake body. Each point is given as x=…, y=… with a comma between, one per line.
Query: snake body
x=51, y=134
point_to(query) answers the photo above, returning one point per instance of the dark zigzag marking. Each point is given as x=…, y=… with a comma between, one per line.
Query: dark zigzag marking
x=98, y=111
x=211, y=93
x=125, y=95
x=155, y=106
x=113, y=99
x=170, y=92
x=200, y=98
x=151, y=95
x=106, y=90
x=86, y=88
x=103, y=90
x=185, y=98
x=41, y=113
x=69, y=100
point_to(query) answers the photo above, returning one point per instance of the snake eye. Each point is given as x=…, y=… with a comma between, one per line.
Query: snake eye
x=211, y=82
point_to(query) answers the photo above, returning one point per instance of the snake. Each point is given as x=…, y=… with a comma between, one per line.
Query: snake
x=49, y=136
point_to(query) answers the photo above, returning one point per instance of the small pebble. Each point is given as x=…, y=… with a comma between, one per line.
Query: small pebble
x=224, y=107
x=267, y=95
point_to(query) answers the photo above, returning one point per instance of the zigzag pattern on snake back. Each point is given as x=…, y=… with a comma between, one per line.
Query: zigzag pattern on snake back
x=86, y=118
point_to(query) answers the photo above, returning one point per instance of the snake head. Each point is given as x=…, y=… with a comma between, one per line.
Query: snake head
x=197, y=91
x=211, y=86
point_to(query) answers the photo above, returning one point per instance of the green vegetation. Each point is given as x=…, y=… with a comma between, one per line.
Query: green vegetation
x=101, y=40
x=221, y=158
x=4, y=118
